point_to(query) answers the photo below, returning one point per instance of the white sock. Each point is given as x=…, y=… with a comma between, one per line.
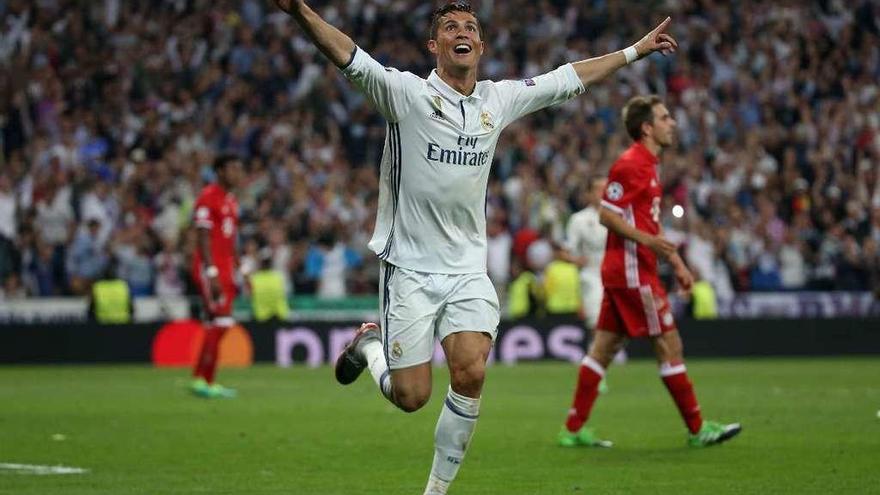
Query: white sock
x=436, y=486
x=378, y=367
x=451, y=438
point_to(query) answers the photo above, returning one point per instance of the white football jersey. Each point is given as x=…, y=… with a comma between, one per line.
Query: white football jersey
x=585, y=236
x=435, y=165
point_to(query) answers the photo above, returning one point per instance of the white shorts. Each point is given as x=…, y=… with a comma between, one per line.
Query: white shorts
x=591, y=297
x=415, y=307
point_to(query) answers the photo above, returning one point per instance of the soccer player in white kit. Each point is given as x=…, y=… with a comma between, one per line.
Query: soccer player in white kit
x=585, y=242
x=431, y=226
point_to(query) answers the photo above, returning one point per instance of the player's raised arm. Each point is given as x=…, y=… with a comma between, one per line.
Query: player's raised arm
x=598, y=68
x=388, y=90
x=332, y=42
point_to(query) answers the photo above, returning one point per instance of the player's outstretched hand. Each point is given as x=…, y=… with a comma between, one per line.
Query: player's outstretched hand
x=657, y=41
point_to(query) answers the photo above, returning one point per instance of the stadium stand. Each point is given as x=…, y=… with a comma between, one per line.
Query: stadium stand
x=110, y=113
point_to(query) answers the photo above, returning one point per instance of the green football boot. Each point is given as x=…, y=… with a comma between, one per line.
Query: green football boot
x=583, y=438
x=200, y=388
x=218, y=391
x=713, y=433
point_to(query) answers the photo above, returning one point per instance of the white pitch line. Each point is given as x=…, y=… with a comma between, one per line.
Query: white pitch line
x=41, y=470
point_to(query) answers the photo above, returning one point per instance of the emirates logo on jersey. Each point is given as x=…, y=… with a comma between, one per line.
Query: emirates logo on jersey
x=614, y=191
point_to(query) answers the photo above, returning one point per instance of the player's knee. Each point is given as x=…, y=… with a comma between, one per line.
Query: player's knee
x=411, y=400
x=468, y=379
x=603, y=358
x=603, y=354
x=672, y=356
x=411, y=403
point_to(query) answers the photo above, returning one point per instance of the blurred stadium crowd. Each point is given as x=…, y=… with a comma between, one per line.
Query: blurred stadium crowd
x=111, y=111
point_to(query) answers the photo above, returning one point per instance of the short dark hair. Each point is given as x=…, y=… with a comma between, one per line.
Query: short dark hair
x=224, y=159
x=455, y=6
x=638, y=110
x=593, y=179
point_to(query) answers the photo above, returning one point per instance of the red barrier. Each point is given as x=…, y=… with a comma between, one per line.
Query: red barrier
x=177, y=344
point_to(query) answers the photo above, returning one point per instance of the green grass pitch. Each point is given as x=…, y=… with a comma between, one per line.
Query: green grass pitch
x=810, y=426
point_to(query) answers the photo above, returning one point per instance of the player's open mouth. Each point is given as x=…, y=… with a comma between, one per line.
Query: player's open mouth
x=462, y=49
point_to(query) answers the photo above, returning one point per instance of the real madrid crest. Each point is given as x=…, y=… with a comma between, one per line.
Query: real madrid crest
x=437, y=102
x=396, y=350
x=486, y=121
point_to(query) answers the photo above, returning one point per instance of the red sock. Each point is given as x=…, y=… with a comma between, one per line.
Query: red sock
x=589, y=375
x=206, y=367
x=199, y=367
x=682, y=391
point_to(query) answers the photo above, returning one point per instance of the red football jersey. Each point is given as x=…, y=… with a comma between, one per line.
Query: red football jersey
x=633, y=192
x=217, y=210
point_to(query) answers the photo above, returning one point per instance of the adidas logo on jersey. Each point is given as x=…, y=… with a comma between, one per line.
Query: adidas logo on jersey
x=437, y=104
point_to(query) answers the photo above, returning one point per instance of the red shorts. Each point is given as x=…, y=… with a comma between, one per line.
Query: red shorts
x=223, y=305
x=642, y=312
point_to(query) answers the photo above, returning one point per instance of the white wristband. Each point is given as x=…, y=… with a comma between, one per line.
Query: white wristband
x=211, y=271
x=631, y=54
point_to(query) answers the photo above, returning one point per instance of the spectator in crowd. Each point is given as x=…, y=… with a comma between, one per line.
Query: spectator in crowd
x=42, y=269
x=168, y=266
x=136, y=264
x=524, y=294
x=562, y=285
x=86, y=259
x=282, y=256
x=12, y=288
x=55, y=219
x=110, y=301
x=268, y=297
x=793, y=268
x=328, y=262
x=8, y=228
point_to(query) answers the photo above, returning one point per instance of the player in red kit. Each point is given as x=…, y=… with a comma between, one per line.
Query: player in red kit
x=214, y=263
x=634, y=303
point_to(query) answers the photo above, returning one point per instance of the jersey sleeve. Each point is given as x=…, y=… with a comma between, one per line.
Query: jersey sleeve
x=203, y=213
x=529, y=95
x=388, y=90
x=624, y=185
